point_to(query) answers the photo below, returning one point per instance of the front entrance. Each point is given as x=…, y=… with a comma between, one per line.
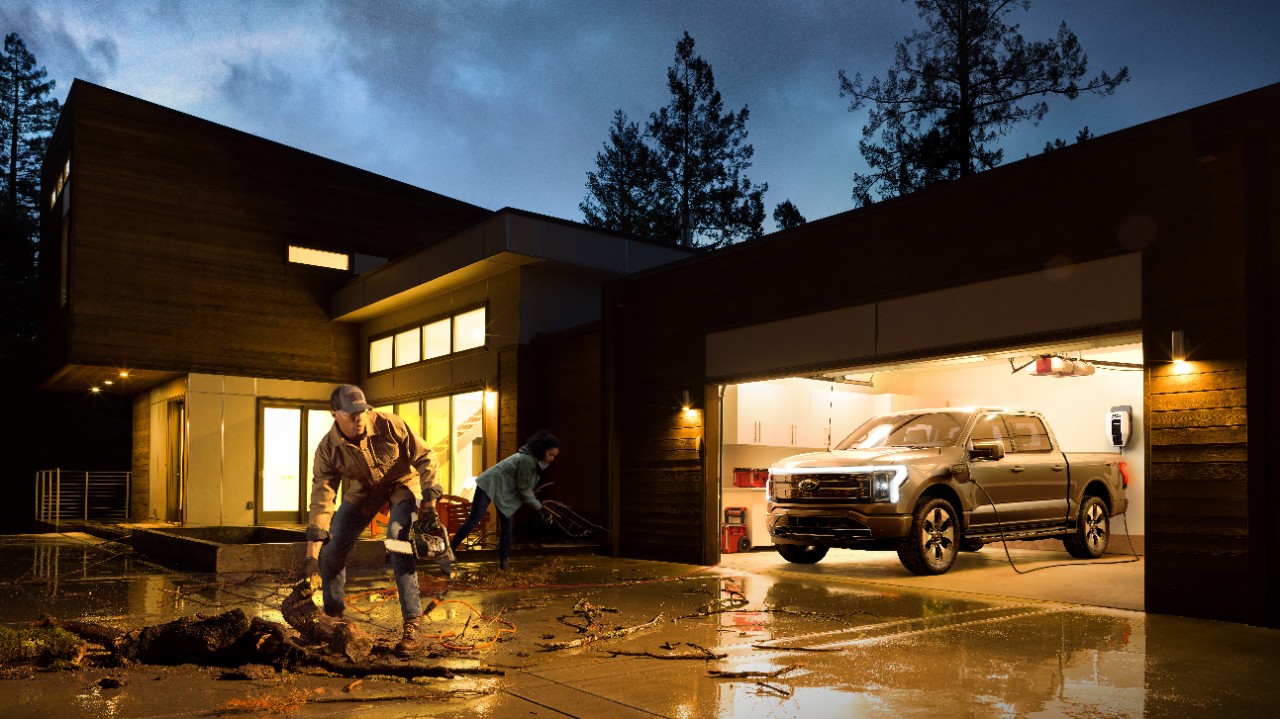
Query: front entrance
x=290, y=434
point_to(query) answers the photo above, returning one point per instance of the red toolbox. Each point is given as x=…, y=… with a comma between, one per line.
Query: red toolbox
x=733, y=539
x=735, y=515
x=750, y=477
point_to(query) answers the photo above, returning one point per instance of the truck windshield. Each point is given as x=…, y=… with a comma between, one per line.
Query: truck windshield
x=928, y=429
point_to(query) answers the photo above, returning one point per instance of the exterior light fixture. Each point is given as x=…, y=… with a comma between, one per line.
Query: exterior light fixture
x=95, y=389
x=107, y=381
x=124, y=374
x=1178, y=352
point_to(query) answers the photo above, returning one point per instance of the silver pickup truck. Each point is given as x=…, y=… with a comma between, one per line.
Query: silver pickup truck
x=931, y=482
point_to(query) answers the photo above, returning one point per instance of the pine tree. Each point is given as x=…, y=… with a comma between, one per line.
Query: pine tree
x=957, y=87
x=27, y=119
x=622, y=191
x=691, y=190
x=786, y=215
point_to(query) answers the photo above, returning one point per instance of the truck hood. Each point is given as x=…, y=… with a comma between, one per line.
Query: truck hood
x=863, y=457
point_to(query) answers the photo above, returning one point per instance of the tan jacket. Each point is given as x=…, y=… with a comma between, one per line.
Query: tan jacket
x=376, y=472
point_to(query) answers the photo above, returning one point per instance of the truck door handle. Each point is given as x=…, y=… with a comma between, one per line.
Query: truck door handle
x=1058, y=467
x=1017, y=468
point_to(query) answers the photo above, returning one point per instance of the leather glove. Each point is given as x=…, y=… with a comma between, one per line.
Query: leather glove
x=427, y=517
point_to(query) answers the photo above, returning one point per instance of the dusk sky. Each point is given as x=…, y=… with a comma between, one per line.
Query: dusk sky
x=506, y=102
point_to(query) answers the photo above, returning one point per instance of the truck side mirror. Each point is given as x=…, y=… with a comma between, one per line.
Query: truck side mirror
x=991, y=450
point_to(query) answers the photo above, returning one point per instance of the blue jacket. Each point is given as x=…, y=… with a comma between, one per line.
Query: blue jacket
x=510, y=483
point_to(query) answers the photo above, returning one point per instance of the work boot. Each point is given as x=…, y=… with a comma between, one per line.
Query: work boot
x=409, y=641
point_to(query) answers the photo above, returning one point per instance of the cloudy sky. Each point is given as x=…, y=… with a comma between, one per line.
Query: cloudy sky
x=506, y=102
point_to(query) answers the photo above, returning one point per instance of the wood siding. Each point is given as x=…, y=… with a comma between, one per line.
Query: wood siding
x=140, y=485
x=1195, y=193
x=178, y=234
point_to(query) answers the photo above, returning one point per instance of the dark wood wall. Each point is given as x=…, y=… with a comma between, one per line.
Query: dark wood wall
x=1195, y=192
x=179, y=229
x=561, y=392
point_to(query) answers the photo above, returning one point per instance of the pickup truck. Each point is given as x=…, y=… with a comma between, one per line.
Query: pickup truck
x=931, y=482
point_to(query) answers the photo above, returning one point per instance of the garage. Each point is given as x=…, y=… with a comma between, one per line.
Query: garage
x=765, y=421
x=1107, y=250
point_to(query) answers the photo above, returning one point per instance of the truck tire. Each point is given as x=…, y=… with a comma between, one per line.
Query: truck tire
x=934, y=541
x=800, y=554
x=1093, y=530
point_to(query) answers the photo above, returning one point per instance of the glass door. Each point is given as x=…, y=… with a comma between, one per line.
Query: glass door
x=288, y=438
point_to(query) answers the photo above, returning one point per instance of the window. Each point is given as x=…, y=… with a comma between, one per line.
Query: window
x=1030, y=434
x=461, y=332
x=990, y=428
x=408, y=347
x=287, y=445
x=380, y=354
x=453, y=429
x=435, y=339
x=319, y=258
x=468, y=330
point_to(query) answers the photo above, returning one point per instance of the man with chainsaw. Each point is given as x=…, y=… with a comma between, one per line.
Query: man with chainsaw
x=373, y=456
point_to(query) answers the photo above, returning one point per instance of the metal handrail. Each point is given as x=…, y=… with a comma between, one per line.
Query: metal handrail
x=63, y=495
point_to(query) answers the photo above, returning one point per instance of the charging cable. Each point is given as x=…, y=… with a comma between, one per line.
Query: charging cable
x=1005, y=542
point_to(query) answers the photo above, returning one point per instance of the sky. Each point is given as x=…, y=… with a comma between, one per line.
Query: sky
x=506, y=103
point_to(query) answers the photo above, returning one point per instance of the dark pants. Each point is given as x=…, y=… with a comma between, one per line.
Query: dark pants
x=480, y=505
x=347, y=526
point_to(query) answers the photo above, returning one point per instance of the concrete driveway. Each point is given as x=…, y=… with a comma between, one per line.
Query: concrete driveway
x=752, y=637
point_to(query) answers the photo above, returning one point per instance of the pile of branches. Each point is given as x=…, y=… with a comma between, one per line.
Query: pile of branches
x=227, y=639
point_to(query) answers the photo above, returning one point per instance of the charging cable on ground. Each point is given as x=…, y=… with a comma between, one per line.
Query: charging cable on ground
x=1005, y=542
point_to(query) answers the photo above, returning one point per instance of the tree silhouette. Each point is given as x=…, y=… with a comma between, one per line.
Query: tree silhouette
x=27, y=119
x=786, y=215
x=699, y=195
x=955, y=88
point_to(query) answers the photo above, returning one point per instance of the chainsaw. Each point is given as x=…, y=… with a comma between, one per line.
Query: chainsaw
x=427, y=541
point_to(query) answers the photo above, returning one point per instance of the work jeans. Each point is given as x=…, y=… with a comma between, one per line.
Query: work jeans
x=347, y=525
x=480, y=505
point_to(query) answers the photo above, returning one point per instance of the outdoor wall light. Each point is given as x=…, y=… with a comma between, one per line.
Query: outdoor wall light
x=1178, y=352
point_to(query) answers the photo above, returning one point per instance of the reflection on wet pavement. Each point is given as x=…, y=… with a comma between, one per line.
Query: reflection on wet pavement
x=790, y=645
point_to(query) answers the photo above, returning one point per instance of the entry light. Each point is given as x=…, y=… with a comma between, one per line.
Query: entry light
x=95, y=389
x=1178, y=352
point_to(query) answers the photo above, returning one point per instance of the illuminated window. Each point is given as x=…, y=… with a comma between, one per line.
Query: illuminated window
x=441, y=338
x=408, y=347
x=468, y=330
x=319, y=258
x=381, y=354
x=436, y=339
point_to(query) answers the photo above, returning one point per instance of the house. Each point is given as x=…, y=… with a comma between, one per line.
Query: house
x=236, y=281
x=227, y=283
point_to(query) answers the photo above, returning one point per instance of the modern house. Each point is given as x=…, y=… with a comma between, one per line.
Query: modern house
x=235, y=281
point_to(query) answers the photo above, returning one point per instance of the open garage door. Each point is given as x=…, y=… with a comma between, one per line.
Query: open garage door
x=1075, y=385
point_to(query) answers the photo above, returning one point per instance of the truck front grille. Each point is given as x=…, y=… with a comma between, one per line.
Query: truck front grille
x=819, y=487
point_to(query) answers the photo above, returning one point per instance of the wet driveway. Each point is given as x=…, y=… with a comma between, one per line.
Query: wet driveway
x=833, y=639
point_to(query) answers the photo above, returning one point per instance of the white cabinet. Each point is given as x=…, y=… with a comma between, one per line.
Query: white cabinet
x=778, y=413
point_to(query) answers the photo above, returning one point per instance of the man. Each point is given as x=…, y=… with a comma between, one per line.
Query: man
x=374, y=454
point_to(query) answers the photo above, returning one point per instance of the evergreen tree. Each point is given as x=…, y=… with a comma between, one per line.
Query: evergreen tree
x=623, y=191
x=955, y=88
x=698, y=194
x=27, y=119
x=1058, y=143
x=786, y=215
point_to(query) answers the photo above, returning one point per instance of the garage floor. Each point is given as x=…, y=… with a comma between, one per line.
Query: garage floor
x=752, y=637
x=1114, y=580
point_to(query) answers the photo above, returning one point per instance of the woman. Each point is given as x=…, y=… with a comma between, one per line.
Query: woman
x=508, y=484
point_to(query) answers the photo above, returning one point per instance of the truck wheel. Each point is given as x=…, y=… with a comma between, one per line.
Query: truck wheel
x=1093, y=530
x=800, y=554
x=932, y=546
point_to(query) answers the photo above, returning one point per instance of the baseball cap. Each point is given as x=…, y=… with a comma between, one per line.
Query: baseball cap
x=348, y=398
